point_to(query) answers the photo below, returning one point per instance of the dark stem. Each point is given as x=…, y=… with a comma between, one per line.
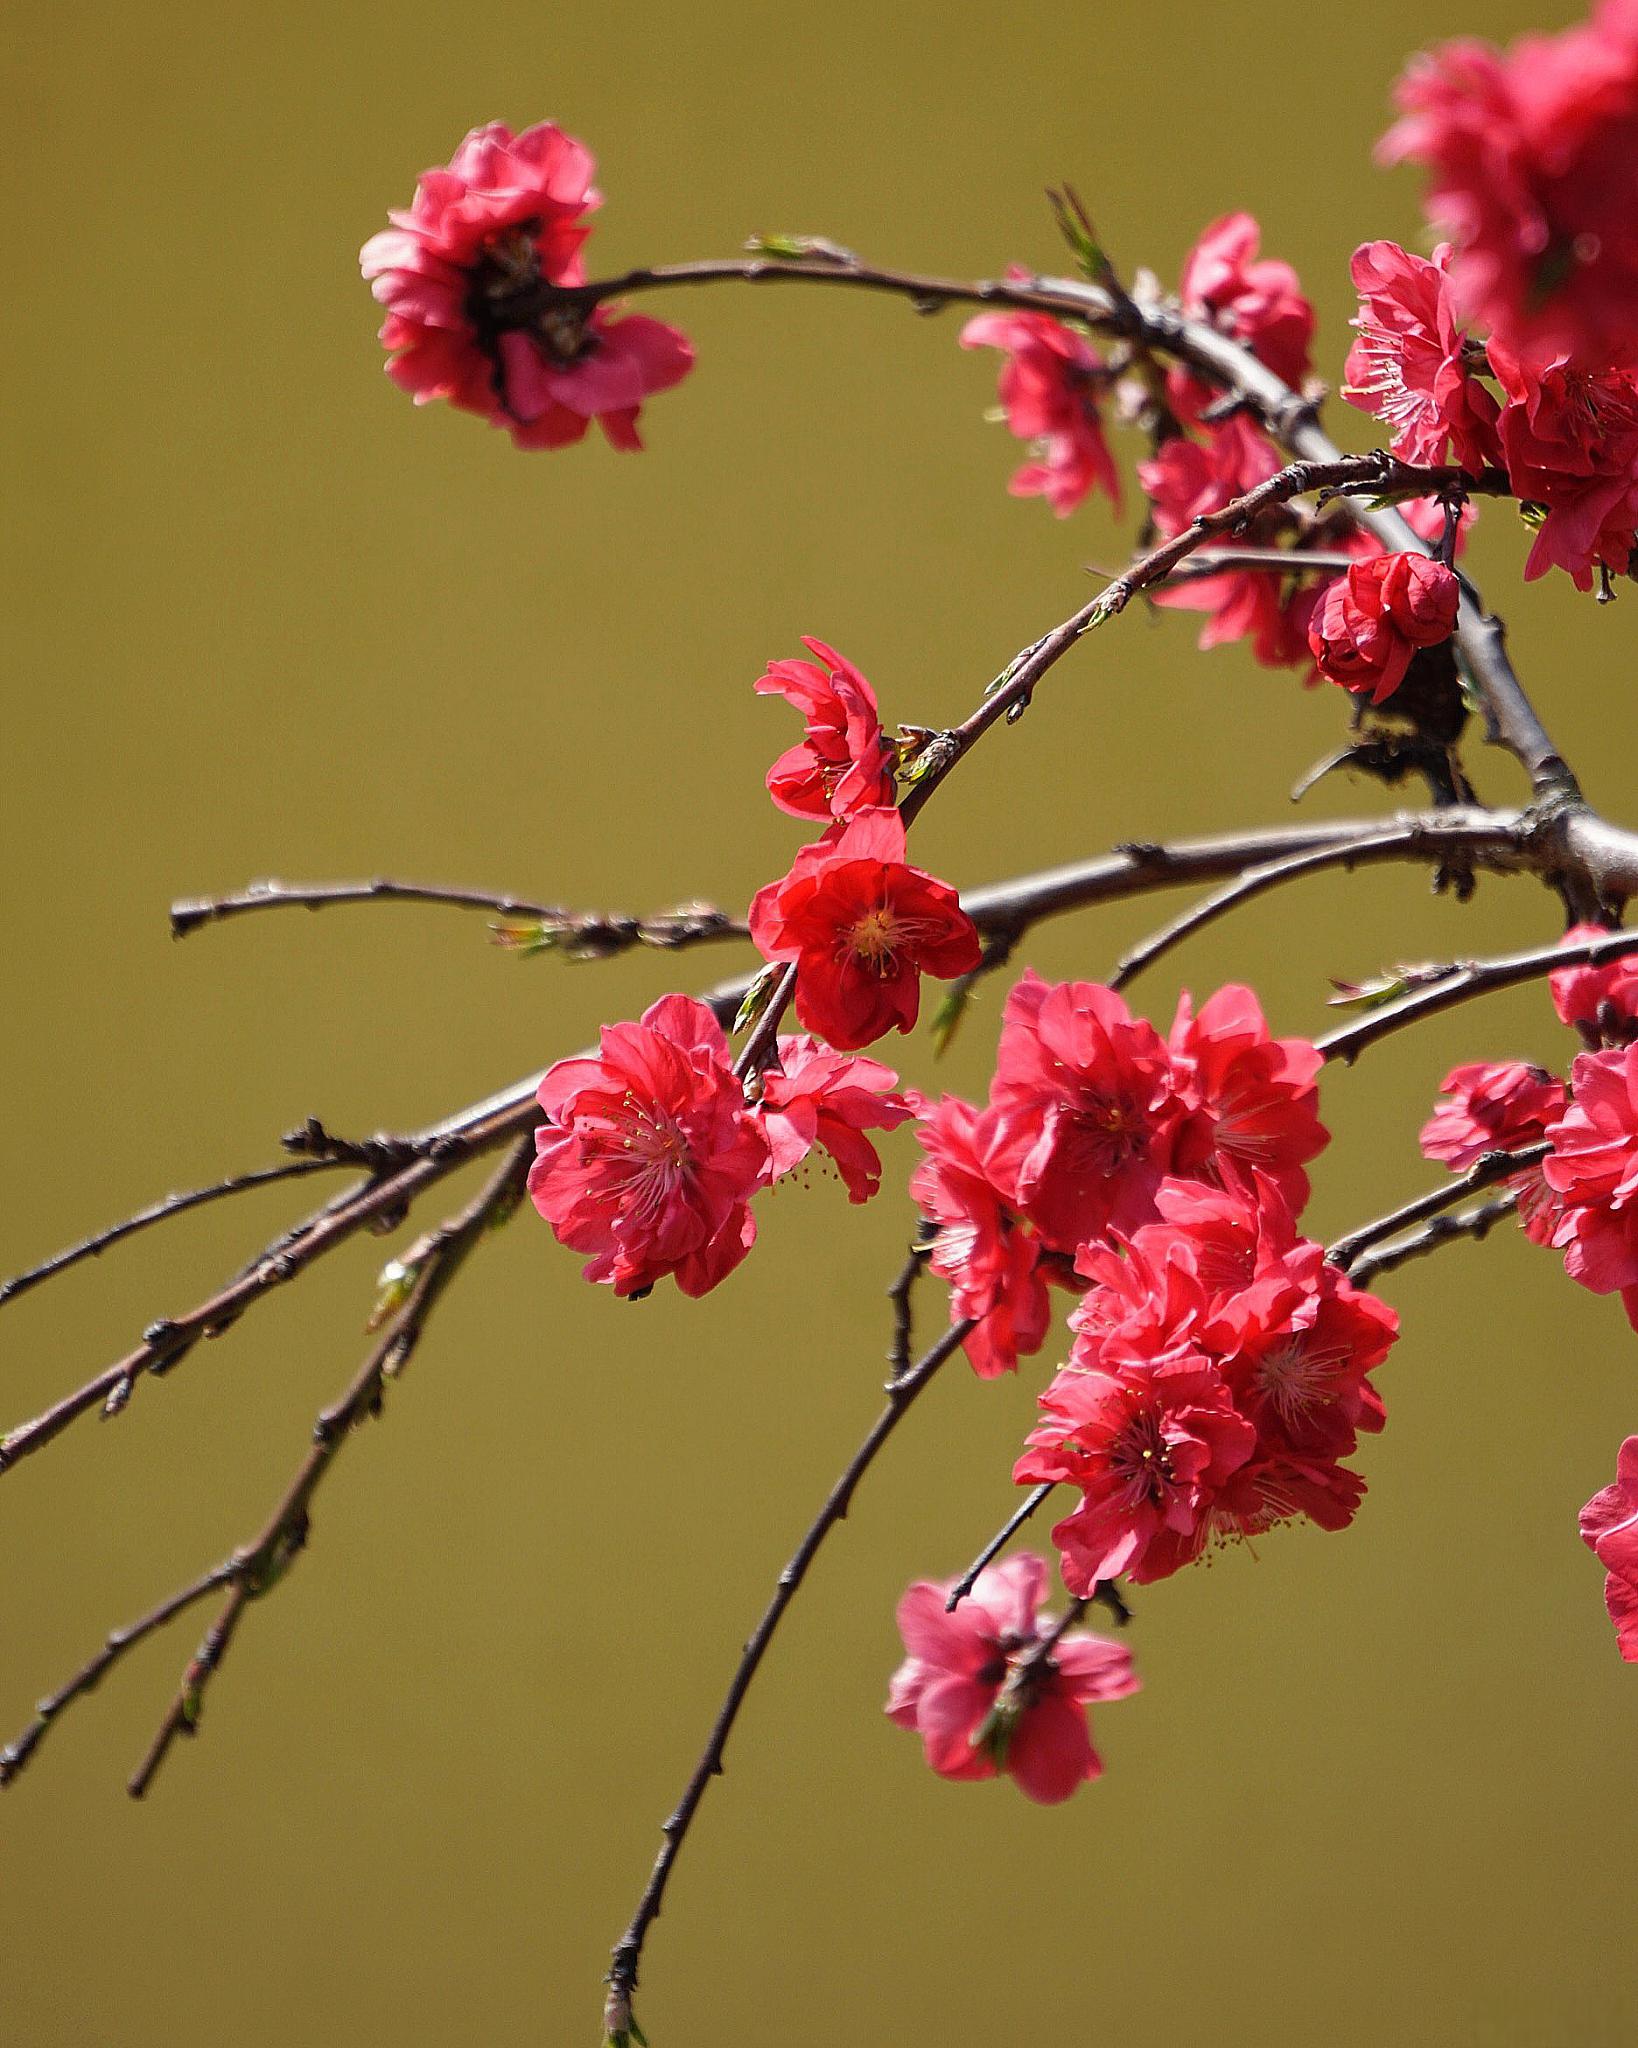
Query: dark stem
x=1468, y=979
x=901, y=1392
x=1475, y=1223
x=1348, y=1251
x=997, y=1543
x=158, y=1212
x=898, y=1351
x=258, y=1566
x=581, y=934
x=1256, y=882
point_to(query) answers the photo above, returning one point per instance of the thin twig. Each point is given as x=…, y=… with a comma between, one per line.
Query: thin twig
x=1254, y=882
x=1470, y=978
x=898, y=1351
x=1347, y=1252
x=997, y=1543
x=90, y=1674
x=1450, y=1228
x=259, y=1565
x=901, y=1392
x=158, y=1212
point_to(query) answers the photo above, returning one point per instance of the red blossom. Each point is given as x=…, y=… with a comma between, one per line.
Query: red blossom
x=1532, y=156
x=648, y=1155
x=1250, y=1099
x=1593, y=1167
x=1372, y=620
x=1499, y=1107
x=1257, y=301
x=467, y=273
x=1085, y=1108
x=813, y=1096
x=1602, y=1002
x=958, y=1662
x=862, y=928
x=1609, y=1528
x=1409, y=367
x=1049, y=387
x=981, y=1248
x=1570, y=441
x=844, y=762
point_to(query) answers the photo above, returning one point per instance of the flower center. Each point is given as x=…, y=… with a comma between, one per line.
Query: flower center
x=875, y=938
x=1298, y=1379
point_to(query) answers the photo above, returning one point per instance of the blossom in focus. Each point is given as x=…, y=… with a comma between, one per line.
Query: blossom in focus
x=1593, y=1168
x=949, y=1689
x=1408, y=366
x=1085, y=1110
x=813, y=1096
x=1250, y=1099
x=648, y=1156
x=1219, y=1375
x=1602, y=1002
x=1532, y=162
x=1258, y=301
x=844, y=762
x=1570, y=441
x=990, y=1261
x=1499, y=1106
x=862, y=928
x=1609, y=1528
x=1373, y=619
x=470, y=274
x=1049, y=389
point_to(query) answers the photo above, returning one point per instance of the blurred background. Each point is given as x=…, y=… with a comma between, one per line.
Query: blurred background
x=270, y=620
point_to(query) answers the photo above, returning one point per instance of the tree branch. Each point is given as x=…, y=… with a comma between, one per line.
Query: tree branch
x=541, y=927
x=901, y=1392
x=158, y=1212
x=1348, y=1252
x=1475, y=1223
x=1467, y=979
x=258, y=1566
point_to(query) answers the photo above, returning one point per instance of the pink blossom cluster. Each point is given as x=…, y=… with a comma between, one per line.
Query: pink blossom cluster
x=1218, y=1378
x=1581, y=1198
x=473, y=275
x=1532, y=162
x=1090, y=1112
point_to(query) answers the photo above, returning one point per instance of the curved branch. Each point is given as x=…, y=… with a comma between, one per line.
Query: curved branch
x=1475, y=1223
x=901, y=1392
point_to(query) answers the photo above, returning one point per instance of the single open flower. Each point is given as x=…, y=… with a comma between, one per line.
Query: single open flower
x=953, y=1688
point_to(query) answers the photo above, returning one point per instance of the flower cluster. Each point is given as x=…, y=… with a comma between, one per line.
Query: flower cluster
x=478, y=275
x=966, y=1690
x=1218, y=1378
x=1090, y=1111
x=649, y=1154
x=1533, y=162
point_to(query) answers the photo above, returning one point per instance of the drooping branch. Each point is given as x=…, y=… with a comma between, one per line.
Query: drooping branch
x=1288, y=416
x=997, y=1543
x=627, y=1955
x=257, y=1566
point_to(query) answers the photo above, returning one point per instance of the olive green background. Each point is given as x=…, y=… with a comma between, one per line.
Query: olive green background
x=270, y=620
